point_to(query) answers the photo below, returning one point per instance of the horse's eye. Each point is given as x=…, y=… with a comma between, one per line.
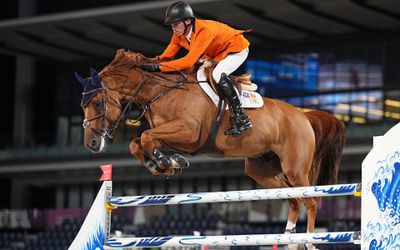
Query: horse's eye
x=97, y=105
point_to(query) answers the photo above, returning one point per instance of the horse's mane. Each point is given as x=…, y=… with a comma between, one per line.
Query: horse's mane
x=123, y=61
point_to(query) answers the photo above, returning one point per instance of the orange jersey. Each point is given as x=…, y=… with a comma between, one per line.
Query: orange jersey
x=209, y=39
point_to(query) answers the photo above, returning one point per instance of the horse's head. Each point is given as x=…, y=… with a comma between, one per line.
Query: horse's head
x=120, y=81
x=102, y=111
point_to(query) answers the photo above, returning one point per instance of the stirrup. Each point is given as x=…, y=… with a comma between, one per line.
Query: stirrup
x=233, y=131
x=236, y=130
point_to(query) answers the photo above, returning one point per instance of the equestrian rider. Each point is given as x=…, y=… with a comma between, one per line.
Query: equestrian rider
x=206, y=39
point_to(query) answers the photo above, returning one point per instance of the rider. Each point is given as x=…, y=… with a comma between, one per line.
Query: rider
x=209, y=40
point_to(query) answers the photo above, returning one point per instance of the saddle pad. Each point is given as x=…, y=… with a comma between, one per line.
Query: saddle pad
x=249, y=99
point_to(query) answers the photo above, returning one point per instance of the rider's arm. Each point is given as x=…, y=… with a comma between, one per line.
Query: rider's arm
x=203, y=39
x=171, y=50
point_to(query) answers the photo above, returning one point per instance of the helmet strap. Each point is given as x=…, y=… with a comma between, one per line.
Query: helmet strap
x=186, y=26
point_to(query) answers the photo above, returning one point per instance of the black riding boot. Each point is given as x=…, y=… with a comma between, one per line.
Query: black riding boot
x=240, y=121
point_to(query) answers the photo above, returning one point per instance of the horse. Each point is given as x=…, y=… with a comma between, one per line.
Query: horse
x=285, y=147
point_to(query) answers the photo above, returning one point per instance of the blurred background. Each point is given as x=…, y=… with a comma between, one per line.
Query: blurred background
x=342, y=56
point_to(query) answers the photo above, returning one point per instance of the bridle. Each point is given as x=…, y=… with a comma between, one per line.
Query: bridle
x=109, y=132
x=105, y=132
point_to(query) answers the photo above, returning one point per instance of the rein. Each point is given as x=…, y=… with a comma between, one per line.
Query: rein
x=109, y=132
x=146, y=106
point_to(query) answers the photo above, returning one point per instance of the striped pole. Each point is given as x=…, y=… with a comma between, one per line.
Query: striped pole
x=234, y=240
x=230, y=196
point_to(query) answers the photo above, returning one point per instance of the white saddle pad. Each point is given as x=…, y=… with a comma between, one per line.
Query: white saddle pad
x=249, y=99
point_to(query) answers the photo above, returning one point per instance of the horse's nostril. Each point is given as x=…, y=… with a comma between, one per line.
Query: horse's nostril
x=94, y=143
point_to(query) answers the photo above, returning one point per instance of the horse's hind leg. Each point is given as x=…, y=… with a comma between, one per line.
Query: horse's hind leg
x=269, y=175
x=296, y=170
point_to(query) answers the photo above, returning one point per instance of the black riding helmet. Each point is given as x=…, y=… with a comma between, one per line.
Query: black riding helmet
x=178, y=11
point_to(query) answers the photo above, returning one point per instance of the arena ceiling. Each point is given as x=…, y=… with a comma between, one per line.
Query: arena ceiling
x=96, y=33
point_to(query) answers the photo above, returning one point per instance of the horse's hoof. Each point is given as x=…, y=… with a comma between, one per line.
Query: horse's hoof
x=180, y=160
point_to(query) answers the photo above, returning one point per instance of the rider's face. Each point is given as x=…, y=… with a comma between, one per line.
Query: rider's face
x=178, y=28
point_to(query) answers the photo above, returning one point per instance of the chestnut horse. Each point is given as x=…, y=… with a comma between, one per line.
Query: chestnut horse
x=284, y=148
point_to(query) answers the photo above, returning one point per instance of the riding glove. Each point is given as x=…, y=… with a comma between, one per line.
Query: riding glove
x=151, y=67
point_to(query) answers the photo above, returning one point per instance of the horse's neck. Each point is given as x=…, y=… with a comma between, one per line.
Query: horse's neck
x=152, y=86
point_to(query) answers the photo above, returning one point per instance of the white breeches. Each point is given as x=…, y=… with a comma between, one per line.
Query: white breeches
x=230, y=64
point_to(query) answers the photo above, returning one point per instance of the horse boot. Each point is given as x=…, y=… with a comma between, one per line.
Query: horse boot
x=240, y=121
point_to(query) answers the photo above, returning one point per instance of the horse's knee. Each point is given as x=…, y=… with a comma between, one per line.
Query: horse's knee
x=134, y=146
x=136, y=149
x=145, y=138
x=148, y=142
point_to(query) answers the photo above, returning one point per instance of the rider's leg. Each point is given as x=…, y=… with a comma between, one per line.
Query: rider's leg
x=229, y=64
x=226, y=66
x=240, y=120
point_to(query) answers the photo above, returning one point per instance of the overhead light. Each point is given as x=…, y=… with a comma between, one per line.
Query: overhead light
x=358, y=119
x=393, y=103
x=359, y=109
x=393, y=115
x=345, y=118
x=375, y=112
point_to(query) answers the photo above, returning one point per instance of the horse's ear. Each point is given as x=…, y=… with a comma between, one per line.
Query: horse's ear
x=95, y=77
x=80, y=79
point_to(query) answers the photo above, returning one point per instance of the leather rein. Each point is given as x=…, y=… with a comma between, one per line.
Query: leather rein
x=109, y=132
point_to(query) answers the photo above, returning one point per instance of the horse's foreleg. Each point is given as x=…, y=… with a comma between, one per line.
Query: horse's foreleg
x=137, y=151
x=176, y=132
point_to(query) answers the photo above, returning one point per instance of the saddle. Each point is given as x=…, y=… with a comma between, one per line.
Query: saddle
x=241, y=82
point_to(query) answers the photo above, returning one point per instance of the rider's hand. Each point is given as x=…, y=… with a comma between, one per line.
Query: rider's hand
x=150, y=67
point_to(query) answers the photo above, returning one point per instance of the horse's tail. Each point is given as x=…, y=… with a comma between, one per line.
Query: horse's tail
x=330, y=136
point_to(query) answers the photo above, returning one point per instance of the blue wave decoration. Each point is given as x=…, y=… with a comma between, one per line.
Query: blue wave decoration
x=387, y=194
x=119, y=202
x=146, y=242
x=384, y=230
x=157, y=199
x=344, y=189
x=192, y=240
x=344, y=237
x=191, y=198
x=96, y=241
x=390, y=242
